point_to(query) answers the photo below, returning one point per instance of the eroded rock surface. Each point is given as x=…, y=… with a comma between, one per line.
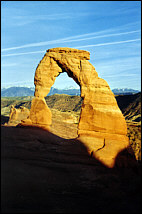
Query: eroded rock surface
x=102, y=127
x=17, y=115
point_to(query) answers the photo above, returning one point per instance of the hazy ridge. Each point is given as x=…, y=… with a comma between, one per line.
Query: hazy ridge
x=25, y=91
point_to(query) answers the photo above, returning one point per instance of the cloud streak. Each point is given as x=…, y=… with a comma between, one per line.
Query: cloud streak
x=85, y=46
x=119, y=75
x=21, y=20
x=25, y=53
x=109, y=43
x=71, y=39
x=49, y=42
x=18, y=82
x=102, y=36
x=9, y=64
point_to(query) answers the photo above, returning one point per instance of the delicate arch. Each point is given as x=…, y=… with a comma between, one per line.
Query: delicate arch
x=100, y=116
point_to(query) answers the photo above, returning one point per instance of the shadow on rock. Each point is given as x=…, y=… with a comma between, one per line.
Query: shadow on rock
x=4, y=119
x=43, y=173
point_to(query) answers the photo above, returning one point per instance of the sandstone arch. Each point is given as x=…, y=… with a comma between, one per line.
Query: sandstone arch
x=101, y=124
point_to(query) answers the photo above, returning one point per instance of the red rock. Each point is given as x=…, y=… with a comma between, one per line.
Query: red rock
x=17, y=115
x=100, y=120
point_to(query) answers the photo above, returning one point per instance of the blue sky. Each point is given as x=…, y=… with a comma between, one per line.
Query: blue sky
x=109, y=30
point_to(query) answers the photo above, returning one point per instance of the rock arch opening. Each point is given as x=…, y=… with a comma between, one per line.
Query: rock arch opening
x=65, y=102
x=64, y=82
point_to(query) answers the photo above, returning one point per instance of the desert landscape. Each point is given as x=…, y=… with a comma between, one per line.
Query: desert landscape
x=70, y=154
x=51, y=172
x=66, y=112
x=71, y=107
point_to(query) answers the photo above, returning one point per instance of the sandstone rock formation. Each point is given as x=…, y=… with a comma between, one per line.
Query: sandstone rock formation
x=102, y=127
x=18, y=115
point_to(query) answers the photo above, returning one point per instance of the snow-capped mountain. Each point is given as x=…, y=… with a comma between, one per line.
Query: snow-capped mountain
x=125, y=91
x=69, y=91
x=71, y=87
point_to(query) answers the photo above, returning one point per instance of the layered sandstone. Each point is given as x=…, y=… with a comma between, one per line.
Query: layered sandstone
x=102, y=127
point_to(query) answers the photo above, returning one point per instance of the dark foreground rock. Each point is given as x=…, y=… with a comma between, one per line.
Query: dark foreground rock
x=43, y=173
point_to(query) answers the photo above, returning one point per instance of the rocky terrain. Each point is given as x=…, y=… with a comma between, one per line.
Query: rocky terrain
x=44, y=173
x=130, y=106
x=51, y=172
x=66, y=111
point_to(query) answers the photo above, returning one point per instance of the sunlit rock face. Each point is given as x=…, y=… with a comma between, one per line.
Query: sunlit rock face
x=17, y=115
x=102, y=127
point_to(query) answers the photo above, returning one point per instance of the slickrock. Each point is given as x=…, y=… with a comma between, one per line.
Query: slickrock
x=102, y=127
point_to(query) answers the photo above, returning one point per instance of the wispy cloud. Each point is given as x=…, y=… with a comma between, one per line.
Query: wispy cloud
x=71, y=39
x=108, y=43
x=24, y=20
x=85, y=46
x=120, y=75
x=67, y=39
x=21, y=20
x=119, y=66
x=14, y=83
x=25, y=53
x=9, y=64
x=102, y=36
x=17, y=82
x=48, y=42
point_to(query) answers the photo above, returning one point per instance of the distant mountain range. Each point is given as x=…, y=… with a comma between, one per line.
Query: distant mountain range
x=70, y=91
x=124, y=91
x=17, y=92
x=25, y=91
